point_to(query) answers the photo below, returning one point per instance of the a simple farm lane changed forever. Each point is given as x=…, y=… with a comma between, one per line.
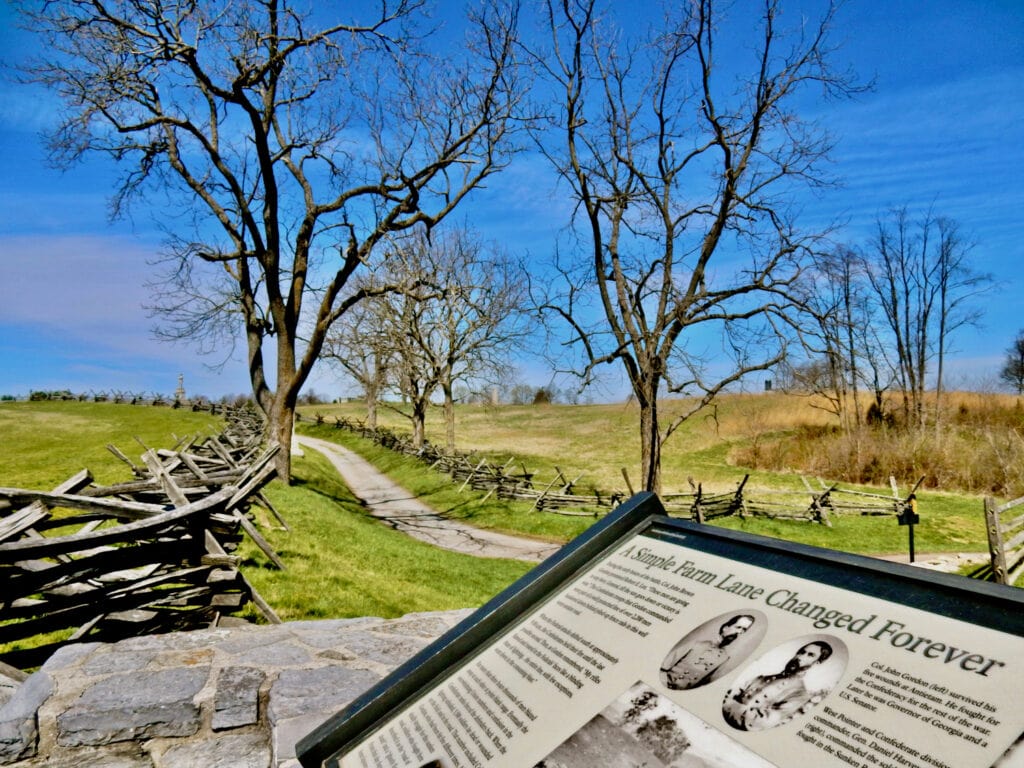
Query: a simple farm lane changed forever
x=404, y=512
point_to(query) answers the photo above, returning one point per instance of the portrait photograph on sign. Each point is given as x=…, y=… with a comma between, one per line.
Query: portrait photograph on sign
x=712, y=649
x=786, y=682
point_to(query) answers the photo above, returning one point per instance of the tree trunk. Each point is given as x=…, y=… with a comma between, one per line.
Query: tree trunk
x=851, y=346
x=281, y=422
x=419, y=420
x=650, y=443
x=371, y=412
x=374, y=385
x=449, y=419
x=943, y=315
x=278, y=405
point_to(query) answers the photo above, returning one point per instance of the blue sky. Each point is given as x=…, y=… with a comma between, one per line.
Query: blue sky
x=944, y=126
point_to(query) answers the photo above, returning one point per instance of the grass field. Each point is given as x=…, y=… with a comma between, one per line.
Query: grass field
x=44, y=443
x=342, y=563
x=598, y=441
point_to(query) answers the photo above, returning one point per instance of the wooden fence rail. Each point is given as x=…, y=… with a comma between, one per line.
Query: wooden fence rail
x=560, y=495
x=100, y=563
x=1005, y=542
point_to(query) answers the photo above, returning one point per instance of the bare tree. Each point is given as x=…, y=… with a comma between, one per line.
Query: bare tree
x=681, y=168
x=846, y=353
x=358, y=347
x=480, y=318
x=292, y=148
x=836, y=309
x=924, y=284
x=959, y=285
x=416, y=376
x=1013, y=369
x=461, y=315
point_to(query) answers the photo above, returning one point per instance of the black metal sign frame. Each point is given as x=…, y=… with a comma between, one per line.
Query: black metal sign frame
x=984, y=604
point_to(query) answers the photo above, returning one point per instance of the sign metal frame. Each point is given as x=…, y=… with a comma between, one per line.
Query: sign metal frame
x=984, y=604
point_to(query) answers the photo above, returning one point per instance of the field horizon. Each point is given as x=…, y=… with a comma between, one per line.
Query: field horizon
x=327, y=549
x=715, y=446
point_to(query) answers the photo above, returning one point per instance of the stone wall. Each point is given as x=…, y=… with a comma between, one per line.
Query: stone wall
x=237, y=697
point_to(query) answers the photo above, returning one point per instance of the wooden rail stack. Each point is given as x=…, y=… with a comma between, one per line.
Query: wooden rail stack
x=155, y=554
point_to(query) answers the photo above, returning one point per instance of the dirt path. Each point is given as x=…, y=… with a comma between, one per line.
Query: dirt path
x=404, y=512
x=947, y=562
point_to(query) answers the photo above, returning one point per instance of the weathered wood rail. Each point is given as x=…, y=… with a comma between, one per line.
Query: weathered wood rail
x=560, y=495
x=817, y=505
x=1005, y=542
x=99, y=563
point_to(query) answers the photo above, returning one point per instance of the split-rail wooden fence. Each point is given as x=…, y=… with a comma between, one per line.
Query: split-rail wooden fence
x=154, y=554
x=562, y=495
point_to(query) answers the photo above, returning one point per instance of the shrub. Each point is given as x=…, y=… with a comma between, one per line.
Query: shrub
x=959, y=457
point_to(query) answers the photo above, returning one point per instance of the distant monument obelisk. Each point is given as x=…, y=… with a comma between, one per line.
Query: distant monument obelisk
x=179, y=393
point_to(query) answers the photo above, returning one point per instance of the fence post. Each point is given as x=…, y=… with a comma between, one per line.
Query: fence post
x=629, y=485
x=736, y=505
x=698, y=506
x=995, y=541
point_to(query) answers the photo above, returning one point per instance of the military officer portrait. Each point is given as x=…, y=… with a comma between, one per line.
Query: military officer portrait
x=786, y=682
x=712, y=649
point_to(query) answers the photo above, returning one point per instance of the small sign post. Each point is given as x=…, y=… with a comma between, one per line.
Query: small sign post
x=908, y=516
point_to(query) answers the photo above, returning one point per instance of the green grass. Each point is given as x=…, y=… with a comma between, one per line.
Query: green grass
x=44, y=443
x=937, y=532
x=439, y=491
x=571, y=436
x=341, y=562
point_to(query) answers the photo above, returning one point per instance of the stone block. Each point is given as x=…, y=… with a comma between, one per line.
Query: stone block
x=8, y=687
x=390, y=650
x=427, y=625
x=70, y=655
x=118, y=756
x=243, y=750
x=286, y=735
x=278, y=655
x=302, y=699
x=139, y=705
x=236, y=701
x=122, y=661
x=19, y=726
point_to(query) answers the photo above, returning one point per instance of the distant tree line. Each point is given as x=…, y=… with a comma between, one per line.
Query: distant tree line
x=880, y=318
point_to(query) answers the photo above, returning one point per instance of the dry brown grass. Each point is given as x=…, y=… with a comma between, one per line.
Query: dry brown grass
x=977, y=447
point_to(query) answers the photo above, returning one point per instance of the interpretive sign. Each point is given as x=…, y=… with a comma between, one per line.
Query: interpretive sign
x=658, y=642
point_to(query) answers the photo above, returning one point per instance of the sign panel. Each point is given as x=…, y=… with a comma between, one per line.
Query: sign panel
x=657, y=642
